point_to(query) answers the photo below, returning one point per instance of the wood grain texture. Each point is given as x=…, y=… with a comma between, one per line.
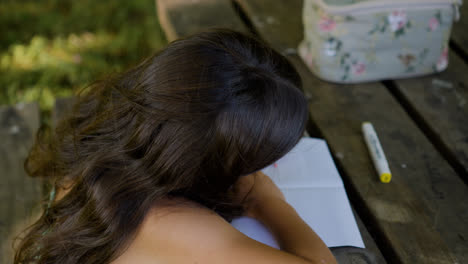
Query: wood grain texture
x=171, y=26
x=418, y=215
x=61, y=108
x=185, y=17
x=18, y=192
x=369, y=242
x=440, y=103
x=460, y=29
x=275, y=18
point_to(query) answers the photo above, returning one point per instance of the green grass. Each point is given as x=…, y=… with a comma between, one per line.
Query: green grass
x=49, y=48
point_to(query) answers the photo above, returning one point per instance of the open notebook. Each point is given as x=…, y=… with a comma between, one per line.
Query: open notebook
x=311, y=184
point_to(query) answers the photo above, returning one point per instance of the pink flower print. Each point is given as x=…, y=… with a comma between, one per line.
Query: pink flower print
x=397, y=20
x=326, y=24
x=358, y=68
x=433, y=24
x=442, y=62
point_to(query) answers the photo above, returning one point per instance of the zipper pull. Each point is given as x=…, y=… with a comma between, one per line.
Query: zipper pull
x=456, y=10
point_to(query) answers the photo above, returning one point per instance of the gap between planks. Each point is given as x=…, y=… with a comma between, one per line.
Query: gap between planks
x=364, y=215
x=427, y=130
x=315, y=127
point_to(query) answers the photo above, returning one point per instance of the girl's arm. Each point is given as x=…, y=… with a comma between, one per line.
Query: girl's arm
x=266, y=203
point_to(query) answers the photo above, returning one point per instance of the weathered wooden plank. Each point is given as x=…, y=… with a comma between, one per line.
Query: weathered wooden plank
x=407, y=218
x=279, y=25
x=172, y=28
x=460, y=30
x=61, y=108
x=418, y=215
x=186, y=17
x=440, y=103
x=368, y=240
x=276, y=18
x=18, y=192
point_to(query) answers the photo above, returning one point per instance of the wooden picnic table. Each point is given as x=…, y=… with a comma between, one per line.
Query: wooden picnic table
x=421, y=216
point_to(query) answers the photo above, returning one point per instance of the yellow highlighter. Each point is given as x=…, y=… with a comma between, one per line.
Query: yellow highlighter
x=376, y=152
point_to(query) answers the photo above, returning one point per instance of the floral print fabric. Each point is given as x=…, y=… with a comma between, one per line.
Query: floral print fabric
x=386, y=44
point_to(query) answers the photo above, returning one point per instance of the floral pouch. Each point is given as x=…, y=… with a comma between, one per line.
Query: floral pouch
x=349, y=41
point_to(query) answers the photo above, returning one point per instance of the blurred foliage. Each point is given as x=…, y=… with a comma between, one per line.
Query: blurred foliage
x=49, y=48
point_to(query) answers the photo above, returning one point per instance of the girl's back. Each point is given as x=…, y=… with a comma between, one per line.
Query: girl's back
x=160, y=158
x=181, y=231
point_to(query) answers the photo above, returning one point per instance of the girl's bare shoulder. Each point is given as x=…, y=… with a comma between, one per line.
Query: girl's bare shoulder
x=180, y=221
x=174, y=231
x=186, y=232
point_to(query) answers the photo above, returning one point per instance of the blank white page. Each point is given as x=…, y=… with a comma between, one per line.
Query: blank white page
x=328, y=212
x=312, y=185
x=308, y=164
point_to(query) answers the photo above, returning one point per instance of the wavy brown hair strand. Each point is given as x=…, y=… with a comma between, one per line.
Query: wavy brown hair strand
x=186, y=122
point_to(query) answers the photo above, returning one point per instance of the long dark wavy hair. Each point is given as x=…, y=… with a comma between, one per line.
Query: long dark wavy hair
x=186, y=122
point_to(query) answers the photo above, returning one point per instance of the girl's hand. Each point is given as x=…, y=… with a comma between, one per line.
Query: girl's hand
x=254, y=190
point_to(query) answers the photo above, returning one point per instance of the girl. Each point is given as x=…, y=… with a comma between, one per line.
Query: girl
x=152, y=165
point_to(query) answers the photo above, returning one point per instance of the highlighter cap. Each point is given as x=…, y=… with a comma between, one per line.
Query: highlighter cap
x=385, y=177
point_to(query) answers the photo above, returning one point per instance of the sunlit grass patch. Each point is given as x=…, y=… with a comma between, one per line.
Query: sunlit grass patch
x=49, y=48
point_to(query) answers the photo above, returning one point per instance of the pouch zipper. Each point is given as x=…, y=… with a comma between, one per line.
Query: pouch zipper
x=372, y=6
